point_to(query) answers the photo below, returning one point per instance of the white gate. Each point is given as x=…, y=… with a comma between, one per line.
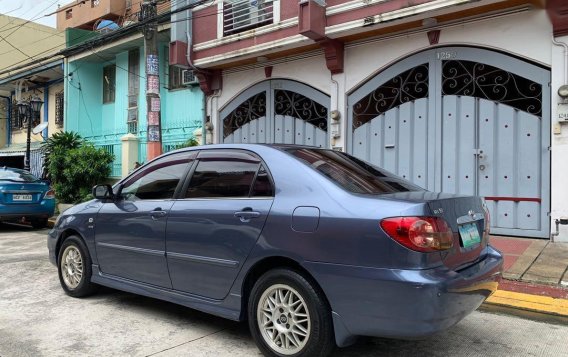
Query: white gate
x=463, y=120
x=277, y=111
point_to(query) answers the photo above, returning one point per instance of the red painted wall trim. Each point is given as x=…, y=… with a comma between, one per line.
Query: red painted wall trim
x=514, y=199
x=558, y=13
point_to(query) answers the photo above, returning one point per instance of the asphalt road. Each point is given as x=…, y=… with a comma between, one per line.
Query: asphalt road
x=38, y=319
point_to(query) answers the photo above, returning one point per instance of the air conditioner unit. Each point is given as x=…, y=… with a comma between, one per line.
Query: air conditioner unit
x=188, y=78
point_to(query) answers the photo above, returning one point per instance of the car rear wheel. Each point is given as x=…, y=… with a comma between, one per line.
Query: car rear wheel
x=289, y=316
x=74, y=266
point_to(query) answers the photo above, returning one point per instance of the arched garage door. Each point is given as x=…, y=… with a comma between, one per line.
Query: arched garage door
x=277, y=111
x=463, y=120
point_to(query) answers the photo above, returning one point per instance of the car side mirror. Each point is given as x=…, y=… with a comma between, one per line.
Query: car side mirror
x=103, y=192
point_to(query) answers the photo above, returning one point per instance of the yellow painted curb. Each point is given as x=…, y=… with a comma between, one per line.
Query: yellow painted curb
x=543, y=304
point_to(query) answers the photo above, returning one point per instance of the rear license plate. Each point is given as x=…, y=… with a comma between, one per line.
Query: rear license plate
x=22, y=197
x=469, y=234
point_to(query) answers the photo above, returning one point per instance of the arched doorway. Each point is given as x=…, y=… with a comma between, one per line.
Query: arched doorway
x=277, y=111
x=463, y=120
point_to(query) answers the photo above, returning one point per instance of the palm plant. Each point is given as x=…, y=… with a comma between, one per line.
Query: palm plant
x=65, y=140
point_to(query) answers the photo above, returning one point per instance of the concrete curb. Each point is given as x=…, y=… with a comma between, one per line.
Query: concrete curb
x=51, y=222
x=510, y=301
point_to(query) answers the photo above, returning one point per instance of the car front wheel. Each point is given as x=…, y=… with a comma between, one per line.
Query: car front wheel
x=289, y=316
x=74, y=265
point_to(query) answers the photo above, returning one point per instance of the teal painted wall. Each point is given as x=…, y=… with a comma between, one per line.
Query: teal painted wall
x=83, y=98
x=105, y=124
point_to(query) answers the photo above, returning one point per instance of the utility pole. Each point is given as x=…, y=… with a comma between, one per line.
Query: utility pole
x=149, y=10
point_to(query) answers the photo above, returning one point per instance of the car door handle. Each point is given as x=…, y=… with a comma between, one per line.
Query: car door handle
x=158, y=213
x=246, y=215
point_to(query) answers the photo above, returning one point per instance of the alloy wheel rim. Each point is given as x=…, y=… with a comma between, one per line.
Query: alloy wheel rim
x=283, y=319
x=72, y=267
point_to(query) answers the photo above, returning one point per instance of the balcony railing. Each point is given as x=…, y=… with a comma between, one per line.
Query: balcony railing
x=242, y=15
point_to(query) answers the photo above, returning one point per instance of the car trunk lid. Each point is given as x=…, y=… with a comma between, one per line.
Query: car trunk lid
x=20, y=193
x=465, y=215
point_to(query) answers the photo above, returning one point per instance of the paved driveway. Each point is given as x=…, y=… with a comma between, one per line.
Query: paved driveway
x=38, y=319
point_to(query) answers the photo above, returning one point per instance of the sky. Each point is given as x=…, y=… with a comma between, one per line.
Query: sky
x=32, y=9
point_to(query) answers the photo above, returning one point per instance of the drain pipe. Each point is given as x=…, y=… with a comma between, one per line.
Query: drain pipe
x=562, y=44
x=561, y=221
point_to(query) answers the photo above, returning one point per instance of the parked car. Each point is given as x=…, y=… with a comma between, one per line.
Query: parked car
x=24, y=197
x=313, y=247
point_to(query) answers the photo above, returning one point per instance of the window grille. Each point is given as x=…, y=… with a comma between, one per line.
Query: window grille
x=109, y=78
x=59, y=109
x=242, y=15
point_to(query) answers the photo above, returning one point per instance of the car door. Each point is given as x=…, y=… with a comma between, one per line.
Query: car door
x=214, y=227
x=130, y=231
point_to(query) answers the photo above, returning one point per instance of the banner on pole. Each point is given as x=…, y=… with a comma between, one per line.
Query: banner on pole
x=155, y=104
x=153, y=118
x=152, y=65
x=153, y=133
x=153, y=84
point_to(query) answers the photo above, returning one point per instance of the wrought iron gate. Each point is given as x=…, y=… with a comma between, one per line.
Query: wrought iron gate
x=463, y=120
x=277, y=111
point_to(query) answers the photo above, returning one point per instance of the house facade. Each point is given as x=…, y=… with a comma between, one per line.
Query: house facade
x=456, y=96
x=23, y=77
x=105, y=90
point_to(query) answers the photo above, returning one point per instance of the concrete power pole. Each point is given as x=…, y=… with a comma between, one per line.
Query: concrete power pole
x=149, y=10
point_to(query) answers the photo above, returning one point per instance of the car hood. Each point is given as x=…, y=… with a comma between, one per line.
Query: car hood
x=78, y=208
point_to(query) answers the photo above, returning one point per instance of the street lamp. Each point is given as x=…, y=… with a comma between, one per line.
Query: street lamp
x=29, y=110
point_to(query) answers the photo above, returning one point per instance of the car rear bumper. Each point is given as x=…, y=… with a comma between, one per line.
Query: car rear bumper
x=404, y=303
x=44, y=209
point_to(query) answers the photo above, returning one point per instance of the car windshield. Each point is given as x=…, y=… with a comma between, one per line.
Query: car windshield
x=352, y=174
x=16, y=175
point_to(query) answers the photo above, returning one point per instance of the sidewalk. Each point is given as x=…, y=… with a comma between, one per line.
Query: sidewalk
x=535, y=276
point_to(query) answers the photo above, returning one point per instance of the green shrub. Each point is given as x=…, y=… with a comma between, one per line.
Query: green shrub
x=75, y=171
x=65, y=140
x=188, y=143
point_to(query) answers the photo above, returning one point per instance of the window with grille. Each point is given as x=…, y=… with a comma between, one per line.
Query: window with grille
x=17, y=122
x=109, y=79
x=242, y=15
x=59, y=109
x=133, y=90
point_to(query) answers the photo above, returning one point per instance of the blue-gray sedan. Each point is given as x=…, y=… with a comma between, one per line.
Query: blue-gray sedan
x=313, y=247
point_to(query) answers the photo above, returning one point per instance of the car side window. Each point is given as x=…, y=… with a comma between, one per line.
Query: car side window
x=158, y=181
x=222, y=177
x=262, y=186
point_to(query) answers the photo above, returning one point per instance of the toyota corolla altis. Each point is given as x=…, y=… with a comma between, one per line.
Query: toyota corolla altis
x=313, y=247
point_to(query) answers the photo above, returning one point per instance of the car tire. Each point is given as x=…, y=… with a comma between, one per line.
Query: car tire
x=39, y=223
x=288, y=315
x=75, y=268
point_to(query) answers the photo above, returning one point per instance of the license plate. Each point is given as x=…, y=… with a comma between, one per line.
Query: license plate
x=22, y=197
x=469, y=234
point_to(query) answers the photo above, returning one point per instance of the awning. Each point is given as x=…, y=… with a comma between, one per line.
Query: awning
x=19, y=149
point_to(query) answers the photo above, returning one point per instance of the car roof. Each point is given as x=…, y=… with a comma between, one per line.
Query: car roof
x=13, y=169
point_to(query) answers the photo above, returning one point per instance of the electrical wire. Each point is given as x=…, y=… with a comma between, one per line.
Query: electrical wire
x=31, y=20
x=137, y=25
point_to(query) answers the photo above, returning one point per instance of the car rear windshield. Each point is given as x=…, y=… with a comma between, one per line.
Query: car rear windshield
x=16, y=176
x=352, y=174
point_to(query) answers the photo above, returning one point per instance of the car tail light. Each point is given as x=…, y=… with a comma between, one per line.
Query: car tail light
x=422, y=234
x=487, y=217
x=49, y=194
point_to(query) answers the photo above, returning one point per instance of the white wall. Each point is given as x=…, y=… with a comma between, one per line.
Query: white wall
x=526, y=34
x=559, y=164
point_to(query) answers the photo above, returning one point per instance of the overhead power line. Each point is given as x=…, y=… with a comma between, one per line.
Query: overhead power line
x=100, y=40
